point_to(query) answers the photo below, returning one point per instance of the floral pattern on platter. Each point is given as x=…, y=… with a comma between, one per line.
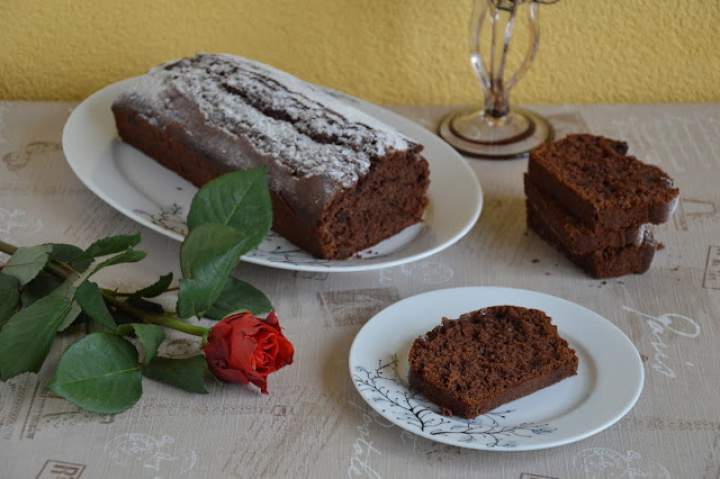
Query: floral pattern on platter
x=274, y=248
x=384, y=385
x=169, y=217
x=277, y=249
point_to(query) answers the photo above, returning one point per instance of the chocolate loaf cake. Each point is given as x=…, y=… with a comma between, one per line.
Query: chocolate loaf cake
x=340, y=180
x=574, y=236
x=608, y=262
x=601, y=186
x=489, y=357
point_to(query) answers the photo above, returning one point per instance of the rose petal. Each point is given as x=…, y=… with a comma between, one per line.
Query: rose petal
x=230, y=375
x=272, y=320
x=242, y=349
x=286, y=351
x=248, y=323
x=259, y=380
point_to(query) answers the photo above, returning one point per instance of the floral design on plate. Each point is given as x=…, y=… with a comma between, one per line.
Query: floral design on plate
x=385, y=386
x=277, y=249
x=169, y=217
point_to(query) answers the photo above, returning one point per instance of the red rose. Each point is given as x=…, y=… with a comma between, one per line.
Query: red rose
x=242, y=348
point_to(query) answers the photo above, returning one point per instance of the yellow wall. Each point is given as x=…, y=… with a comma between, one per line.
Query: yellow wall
x=392, y=51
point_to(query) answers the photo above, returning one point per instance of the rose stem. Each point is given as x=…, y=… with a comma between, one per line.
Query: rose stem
x=7, y=248
x=168, y=320
x=119, y=294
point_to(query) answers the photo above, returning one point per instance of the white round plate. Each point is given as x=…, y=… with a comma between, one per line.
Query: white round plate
x=609, y=380
x=156, y=197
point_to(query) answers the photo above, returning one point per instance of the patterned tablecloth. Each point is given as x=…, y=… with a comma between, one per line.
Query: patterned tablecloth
x=313, y=424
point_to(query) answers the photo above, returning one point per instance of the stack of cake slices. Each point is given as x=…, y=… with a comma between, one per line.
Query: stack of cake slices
x=594, y=203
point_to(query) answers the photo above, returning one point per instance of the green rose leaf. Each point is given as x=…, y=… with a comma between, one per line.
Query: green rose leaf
x=26, y=338
x=65, y=253
x=70, y=318
x=128, y=256
x=99, y=373
x=43, y=284
x=157, y=288
x=105, y=247
x=240, y=199
x=150, y=337
x=9, y=297
x=187, y=374
x=112, y=245
x=236, y=296
x=208, y=255
x=27, y=262
x=92, y=303
x=67, y=291
x=70, y=255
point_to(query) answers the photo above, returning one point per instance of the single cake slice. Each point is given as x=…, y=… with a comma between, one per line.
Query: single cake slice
x=340, y=180
x=603, y=263
x=473, y=364
x=593, y=178
x=574, y=236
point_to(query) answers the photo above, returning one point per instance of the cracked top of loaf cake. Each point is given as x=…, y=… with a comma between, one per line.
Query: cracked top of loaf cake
x=304, y=130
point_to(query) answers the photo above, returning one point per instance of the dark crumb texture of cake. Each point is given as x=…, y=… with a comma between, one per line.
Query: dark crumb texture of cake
x=388, y=199
x=600, y=185
x=608, y=262
x=576, y=237
x=489, y=357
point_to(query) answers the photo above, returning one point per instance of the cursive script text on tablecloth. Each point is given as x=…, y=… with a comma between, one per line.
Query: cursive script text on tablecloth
x=660, y=328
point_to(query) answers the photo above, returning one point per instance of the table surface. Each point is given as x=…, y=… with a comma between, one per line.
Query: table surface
x=313, y=424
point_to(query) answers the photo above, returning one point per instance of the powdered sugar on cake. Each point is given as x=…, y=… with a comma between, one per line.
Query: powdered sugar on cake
x=308, y=131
